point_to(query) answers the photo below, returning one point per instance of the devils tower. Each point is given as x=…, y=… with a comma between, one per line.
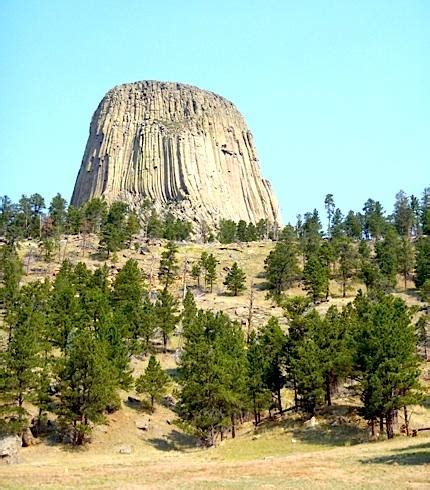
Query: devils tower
x=185, y=149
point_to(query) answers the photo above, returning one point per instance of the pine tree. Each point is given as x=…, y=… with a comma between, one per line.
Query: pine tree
x=166, y=315
x=281, y=267
x=235, y=279
x=168, y=265
x=347, y=262
x=329, y=206
x=154, y=226
x=65, y=308
x=403, y=214
x=405, y=258
x=18, y=373
x=422, y=261
x=273, y=342
x=425, y=211
x=353, y=225
x=308, y=375
x=259, y=394
x=387, y=258
x=189, y=312
x=132, y=226
x=153, y=382
x=332, y=337
x=374, y=220
x=58, y=212
x=227, y=231
x=95, y=212
x=113, y=232
x=251, y=232
x=385, y=357
x=210, y=271
x=213, y=370
x=241, y=232
x=196, y=272
x=11, y=272
x=86, y=386
x=74, y=220
x=132, y=309
x=315, y=277
x=262, y=228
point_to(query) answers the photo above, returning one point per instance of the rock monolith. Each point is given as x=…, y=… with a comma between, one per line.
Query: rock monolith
x=185, y=149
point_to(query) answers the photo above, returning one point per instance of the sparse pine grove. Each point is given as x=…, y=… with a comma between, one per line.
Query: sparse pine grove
x=342, y=324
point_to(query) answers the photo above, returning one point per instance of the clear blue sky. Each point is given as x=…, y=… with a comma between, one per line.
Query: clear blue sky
x=337, y=93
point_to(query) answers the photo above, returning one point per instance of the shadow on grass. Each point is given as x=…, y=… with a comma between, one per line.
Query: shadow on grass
x=174, y=441
x=408, y=456
x=328, y=435
x=324, y=434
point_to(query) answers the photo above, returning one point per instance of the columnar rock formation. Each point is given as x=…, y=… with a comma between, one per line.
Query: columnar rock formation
x=185, y=149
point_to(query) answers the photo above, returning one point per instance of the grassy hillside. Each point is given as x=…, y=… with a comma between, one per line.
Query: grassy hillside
x=281, y=453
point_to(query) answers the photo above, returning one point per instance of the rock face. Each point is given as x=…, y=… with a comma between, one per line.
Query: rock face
x=9, y=449
x=185, y=149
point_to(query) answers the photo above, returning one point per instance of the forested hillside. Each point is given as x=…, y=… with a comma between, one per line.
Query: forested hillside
x=104, y=306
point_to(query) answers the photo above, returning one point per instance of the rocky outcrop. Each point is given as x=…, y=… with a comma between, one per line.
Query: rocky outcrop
x=183, y=148
x=9, y=449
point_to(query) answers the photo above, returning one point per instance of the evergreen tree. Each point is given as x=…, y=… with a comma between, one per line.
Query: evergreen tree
x=328, y=255
x=347, y=262
x=353, y=225
x=166, y=315
x=86, y=386
x=58, y=213
x=132, y=309
x=65, y=308
x=272, y=342
x=330, y=207
x=153, y=382
x=385, y=357
x=241, y=232
x=374, y=220
x=168, y=265
x=258, y=392
x=281, y=267
x=422, y=261
x=113, y=232
x=227, y=231
x=405, y=258
x=154, y=227
x=213, y=370
x=74, y=220
x=387, y=258
x=235, y=279
x=18, y=373
x=189, y=312
x=6, y=214
x=196, y=271
x=210, y=270
x=10, y=275
x=403, y=214
x=262, y=228
x=425, y=211
x=338, y=227
x=308, y=375
x=132, y=226
x=311, y=233
x=251, y=232
x=332, y=338
x=315, y=277
x=95, y=212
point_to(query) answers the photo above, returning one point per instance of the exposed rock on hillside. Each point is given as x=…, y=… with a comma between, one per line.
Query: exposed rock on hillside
x=186, y=149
